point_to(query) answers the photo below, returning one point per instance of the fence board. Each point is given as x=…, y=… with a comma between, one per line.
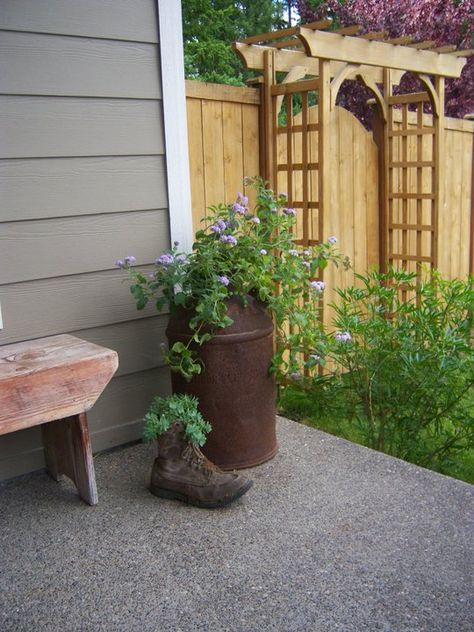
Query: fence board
x=250, y=145
x=213, y=151
x=232, y=134
x=196, y=160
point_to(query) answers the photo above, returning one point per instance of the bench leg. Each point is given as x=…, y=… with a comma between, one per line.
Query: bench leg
x=68, y=451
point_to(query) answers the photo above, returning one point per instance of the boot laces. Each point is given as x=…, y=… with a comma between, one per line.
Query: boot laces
x=193, y=455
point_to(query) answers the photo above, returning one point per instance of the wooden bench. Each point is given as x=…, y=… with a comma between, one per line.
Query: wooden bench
x=53, y=382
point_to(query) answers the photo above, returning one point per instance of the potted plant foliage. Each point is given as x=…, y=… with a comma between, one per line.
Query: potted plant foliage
x=244, y=310
x=180, y=470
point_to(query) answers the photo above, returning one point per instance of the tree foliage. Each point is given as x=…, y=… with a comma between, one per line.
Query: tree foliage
x=209, y=27
x=443, y=21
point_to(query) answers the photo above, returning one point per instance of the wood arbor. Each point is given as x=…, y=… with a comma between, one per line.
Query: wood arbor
x=316, y=63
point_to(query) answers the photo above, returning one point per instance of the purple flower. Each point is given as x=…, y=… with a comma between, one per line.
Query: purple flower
x=332, y=240
x=182, y=258
x=306, y=253
x=120, y=263
x=273, y=209
x=224, y=280
x=228, y=239
x=343, y=336
x=307, y=264
x=263, y=251
x=289, y=211
x=242, y=199
x=164, y=260
x=318, y=286
x=296, y=375
x=255, y=220
x=130, y=260
x=293, y=252
x=238, y=208
x=151, y=276
x=219, y=226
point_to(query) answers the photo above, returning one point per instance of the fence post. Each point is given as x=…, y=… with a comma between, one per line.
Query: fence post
x=378, y=132
x=270, y=141
x=259, y=85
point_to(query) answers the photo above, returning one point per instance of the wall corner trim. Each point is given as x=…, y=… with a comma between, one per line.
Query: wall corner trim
x=175, y=122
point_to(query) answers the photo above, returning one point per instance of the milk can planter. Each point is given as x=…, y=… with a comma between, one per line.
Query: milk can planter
x=236, y=391
x=244, y=315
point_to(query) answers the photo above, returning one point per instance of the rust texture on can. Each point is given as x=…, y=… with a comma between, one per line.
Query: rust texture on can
x=235, y=390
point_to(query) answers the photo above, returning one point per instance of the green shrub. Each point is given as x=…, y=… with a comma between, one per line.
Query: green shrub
x=405, y=369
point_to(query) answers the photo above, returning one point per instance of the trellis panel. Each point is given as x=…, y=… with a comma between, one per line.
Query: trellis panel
x=412, y=192
x=352, y=208
x=455, y=232
x=295, y=171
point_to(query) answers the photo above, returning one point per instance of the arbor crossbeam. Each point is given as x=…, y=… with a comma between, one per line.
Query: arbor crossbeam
x=356, y=50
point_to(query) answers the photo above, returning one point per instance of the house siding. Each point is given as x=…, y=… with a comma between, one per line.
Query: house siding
x=83, y=182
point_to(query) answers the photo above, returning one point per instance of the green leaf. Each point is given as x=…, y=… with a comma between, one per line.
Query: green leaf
x=178, y=347
x=180, y=298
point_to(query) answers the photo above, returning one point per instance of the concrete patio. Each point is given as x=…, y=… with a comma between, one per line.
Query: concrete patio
x=332, y=537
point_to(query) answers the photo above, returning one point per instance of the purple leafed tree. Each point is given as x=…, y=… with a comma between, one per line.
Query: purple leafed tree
x=443, y=21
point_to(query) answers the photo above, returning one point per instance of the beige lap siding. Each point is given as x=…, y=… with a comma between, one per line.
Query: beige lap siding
x=82, y=183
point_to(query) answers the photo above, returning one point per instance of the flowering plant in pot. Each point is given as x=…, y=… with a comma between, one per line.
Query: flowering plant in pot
x=245, y=264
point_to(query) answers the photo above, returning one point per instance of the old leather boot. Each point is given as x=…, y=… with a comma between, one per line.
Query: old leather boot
x=181, y=471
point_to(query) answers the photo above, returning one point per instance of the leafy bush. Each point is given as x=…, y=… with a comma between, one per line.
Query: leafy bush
x=405, y=369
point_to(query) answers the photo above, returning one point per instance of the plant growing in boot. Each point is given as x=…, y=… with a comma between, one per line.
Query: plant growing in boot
x=181, y=471
x=164, y=411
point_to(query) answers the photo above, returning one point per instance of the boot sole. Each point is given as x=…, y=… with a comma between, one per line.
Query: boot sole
x=171, y=495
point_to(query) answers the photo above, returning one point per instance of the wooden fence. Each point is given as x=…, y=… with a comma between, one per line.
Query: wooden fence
x=224, y=146
x=224, y=143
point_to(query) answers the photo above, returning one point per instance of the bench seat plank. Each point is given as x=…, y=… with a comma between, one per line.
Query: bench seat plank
x=49, y=379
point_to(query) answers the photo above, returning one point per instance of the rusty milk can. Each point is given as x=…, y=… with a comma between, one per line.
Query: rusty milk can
x=235, y=390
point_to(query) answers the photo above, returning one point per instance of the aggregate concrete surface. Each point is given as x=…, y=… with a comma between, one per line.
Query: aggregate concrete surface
x=332, y=537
